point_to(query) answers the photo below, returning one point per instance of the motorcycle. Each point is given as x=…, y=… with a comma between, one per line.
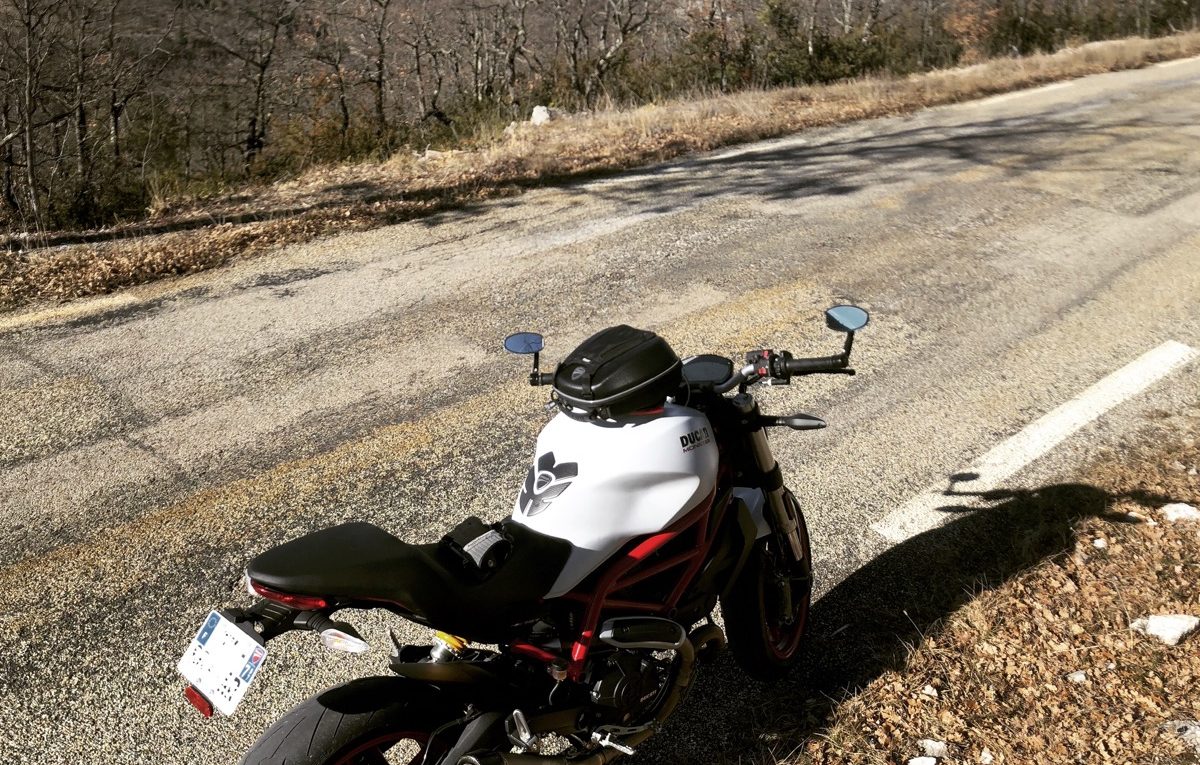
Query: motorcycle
x=653, y=497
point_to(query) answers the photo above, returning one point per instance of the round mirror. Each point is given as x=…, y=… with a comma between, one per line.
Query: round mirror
x=523, y=342
x=846, y=318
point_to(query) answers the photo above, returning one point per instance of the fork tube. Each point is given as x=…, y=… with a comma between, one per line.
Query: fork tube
x=783, y=514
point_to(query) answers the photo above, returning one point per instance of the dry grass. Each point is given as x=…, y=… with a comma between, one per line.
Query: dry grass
x=366, y=195
x=1000, y=662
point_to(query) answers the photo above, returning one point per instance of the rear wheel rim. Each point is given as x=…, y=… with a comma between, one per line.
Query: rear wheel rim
x=374, y=751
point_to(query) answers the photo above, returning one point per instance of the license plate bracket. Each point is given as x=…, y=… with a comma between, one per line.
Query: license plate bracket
x=222, y=660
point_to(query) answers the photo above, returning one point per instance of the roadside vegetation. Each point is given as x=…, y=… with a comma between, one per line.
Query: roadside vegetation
x=1038, y=663
x=202, y=233
x=115, y=111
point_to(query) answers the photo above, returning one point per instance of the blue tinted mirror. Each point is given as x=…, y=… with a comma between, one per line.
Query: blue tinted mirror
x=846, y=318
x=523, y=342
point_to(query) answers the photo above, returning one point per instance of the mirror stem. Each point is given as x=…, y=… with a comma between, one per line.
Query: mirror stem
x=535, y=376
x=845, y=349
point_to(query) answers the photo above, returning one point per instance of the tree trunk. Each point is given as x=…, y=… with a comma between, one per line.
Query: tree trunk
x=812, y=27
x=115, y=107
x=83, y=163
x=8, y=190
x=345, y=130
x=379, y=76
x=29, y=85
x=873, y=8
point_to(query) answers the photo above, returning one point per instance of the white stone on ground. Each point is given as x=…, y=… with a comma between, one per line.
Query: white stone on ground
x=540, y=115
x=1169, y=628
x=929, y=691
x=1188, y=730
x=923, y=761
x=932, y=748
x=1079, y=676
x=1179, y=511
x=1100, y=544
x=986, y=757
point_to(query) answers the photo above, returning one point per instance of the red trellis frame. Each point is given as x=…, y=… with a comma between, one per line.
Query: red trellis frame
x=628, y=571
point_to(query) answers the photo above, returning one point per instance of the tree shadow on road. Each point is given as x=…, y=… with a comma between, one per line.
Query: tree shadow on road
x=866, y=624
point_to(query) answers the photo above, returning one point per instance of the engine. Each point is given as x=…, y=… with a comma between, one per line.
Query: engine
x=629, y=683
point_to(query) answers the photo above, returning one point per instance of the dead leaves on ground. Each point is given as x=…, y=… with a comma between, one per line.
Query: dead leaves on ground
x=1000, y=664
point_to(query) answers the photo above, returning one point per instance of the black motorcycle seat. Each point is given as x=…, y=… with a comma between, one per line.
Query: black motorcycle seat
x=365, y=565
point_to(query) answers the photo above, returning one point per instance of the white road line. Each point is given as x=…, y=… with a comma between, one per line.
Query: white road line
x=922, y=513
x=1020, y=93
x=1177, y=62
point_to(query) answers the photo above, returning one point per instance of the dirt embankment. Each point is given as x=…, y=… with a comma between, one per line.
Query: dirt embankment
x=191, y=237
x=1035, y=660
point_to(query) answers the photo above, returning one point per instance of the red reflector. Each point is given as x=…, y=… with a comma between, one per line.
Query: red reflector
x=196, y=699
x=301, y=602
x=643, y=551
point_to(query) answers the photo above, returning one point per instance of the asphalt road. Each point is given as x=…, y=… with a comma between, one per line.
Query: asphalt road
x=1012, y=251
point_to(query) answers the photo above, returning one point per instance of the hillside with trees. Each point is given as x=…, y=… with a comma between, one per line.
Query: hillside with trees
x=109, y=107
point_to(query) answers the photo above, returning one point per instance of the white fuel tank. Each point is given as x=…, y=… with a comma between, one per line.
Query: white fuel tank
x=600, y=484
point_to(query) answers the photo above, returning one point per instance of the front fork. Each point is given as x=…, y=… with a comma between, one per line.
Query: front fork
x=784, y=514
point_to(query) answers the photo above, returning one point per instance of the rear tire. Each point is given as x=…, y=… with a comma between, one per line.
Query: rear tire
x=765, y=643
x=356, y=724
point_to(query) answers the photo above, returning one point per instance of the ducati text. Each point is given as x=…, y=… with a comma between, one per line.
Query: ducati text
x=695, y=439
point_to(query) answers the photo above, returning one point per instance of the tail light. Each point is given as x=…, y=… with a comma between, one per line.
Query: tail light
x=298, y=602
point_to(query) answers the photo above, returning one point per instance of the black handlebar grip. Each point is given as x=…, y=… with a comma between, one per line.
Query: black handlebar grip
x=816, y=365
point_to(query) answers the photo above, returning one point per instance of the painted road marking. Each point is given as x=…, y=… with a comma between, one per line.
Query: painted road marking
x=1029, y=92
x=1177, y=62
x=922, y=512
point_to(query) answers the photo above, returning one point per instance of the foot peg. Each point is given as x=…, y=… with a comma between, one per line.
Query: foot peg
x=608, y=742
x=519, y=732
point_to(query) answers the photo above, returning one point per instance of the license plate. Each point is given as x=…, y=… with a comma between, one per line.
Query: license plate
x=222, y=661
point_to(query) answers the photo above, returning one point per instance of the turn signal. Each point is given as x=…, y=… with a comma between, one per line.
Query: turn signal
x=338, y=640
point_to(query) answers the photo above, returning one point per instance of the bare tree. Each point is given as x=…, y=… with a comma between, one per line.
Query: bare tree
x=330, y=49
x=135, y=53
x=376, y=17
x=250, y=33
x=30, y=39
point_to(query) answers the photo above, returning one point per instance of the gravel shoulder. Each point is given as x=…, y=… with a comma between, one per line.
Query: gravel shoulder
x=1021, y=645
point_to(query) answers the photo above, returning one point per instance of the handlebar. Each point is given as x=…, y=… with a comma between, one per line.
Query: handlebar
x=779, y=367
x=818, y=365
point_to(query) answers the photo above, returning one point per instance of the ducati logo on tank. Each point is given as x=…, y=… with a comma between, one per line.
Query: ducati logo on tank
x=545, y=482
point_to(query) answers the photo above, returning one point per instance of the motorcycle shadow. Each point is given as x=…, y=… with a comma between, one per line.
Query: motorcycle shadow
x=867, y=623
